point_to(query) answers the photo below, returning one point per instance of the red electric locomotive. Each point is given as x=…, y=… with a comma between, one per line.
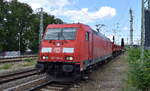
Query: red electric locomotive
x=70, y=49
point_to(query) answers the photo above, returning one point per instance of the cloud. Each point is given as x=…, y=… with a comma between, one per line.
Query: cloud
x=59, y=9
x=126, y=28
x=47, y=4
x=84, y=15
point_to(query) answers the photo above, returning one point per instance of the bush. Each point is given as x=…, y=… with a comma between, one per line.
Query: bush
x=139, y=70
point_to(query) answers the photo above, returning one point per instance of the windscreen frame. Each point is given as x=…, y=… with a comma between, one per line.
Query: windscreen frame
x=60, y=30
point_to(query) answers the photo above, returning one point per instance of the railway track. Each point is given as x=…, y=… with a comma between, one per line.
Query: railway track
x=16, y=59
x=42, y=84
x=17, y=75
x=24, y=56
x=53, y=86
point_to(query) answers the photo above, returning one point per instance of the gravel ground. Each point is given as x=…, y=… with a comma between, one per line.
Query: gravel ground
x=108, y=77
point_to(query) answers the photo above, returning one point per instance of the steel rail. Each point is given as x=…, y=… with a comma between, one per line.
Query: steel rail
x=18, y=75
x=25, y=56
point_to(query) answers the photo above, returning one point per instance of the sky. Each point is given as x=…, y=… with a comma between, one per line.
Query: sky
x=113, y=13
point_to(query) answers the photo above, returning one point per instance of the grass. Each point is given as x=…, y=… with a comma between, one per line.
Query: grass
x=139, y=70
x=6, y=66
x=28, y=62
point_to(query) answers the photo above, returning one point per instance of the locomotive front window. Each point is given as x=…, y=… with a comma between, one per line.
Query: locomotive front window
x=60, y=34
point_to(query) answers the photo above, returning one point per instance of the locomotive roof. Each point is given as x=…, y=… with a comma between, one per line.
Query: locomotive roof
x=76, y=25
x=65, y=25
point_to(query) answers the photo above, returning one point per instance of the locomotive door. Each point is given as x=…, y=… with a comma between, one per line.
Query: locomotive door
x=90, y=45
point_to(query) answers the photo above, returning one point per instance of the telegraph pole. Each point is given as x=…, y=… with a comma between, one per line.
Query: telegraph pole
x=145, y=6
x=118, y=24
x=41, y=25
x=19, y=35
x=131, y=27
x=115, y=33
x=142, y=30
x=148, y=4
x=127, y=41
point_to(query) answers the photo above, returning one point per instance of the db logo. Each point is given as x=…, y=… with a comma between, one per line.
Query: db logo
x=57, y=50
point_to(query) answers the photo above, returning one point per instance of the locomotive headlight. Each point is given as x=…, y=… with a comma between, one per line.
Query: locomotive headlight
x=69, y=58
x=45, y=57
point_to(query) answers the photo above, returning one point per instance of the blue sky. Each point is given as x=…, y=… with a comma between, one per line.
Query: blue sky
x=92, y=12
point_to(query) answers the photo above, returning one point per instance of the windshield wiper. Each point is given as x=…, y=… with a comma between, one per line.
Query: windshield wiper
x=63, y=35
x=59, y=34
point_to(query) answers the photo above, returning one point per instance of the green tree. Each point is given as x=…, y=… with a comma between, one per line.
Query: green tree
x=18, y=22
x=3, y=12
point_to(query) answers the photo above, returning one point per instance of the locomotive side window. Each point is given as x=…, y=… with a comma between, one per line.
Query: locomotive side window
x=61, y=34
x=87, y=35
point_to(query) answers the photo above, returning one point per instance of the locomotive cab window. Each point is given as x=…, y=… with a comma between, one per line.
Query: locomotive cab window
x=61, y=34
x=87, y=35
